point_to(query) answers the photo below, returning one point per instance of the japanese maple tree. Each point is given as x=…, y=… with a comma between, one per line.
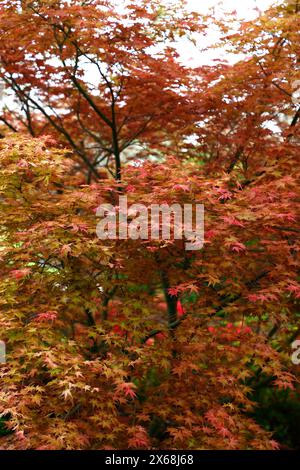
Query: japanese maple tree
x=138, y=344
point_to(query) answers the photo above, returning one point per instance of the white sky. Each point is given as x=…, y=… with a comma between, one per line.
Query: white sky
x=246, y=9
x=243, y=7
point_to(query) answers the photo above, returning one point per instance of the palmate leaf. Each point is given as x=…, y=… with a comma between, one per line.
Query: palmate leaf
x=117, y=344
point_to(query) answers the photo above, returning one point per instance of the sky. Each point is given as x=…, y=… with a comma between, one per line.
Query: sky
x=192, y=55
x=243, y=7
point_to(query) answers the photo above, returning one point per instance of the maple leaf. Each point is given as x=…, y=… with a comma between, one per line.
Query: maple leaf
x=127, y=388
x=23, y=163
x=173, y=291
x=238, y=247
x=139, y=437
x=78, y=227
x=180, y=434
x=224, y=194
x=20, y=273
x=274, y=444
x=181, y=187
x=130, y=189
x=65, y=250
x=232, y=221
x=295, y=288
x=67, y=394
x=50, y=315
